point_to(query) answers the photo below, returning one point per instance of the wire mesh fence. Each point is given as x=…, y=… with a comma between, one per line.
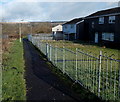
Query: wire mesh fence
x=98, y=73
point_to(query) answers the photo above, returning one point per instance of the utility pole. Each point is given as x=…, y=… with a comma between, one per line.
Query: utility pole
x=31, y=29
x=20, y=30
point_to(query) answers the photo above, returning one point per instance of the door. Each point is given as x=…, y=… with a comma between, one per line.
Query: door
x=96, y=37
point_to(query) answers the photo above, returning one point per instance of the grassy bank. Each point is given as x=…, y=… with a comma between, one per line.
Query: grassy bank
x=13, y=82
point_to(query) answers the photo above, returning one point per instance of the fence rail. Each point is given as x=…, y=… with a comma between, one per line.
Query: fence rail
x=98, y=73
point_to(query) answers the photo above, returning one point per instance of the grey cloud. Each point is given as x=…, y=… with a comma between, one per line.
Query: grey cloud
x=39, y=11
x=24, y=10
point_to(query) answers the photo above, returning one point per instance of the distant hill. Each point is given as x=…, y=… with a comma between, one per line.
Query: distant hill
x=12, y=28
x=55, y=23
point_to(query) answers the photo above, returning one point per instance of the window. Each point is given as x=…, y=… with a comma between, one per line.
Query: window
x=111, y=19
x=72, y=26
x=108, y=36
x=101, y=20
x=65, y=27
x=93, y=24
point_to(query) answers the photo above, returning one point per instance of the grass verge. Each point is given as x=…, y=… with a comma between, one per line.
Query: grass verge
x=87, y=72
x=13, y=82
x=87, y=48
x=84, y=94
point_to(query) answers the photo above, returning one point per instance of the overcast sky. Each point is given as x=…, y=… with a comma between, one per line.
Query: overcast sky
x=13, y=11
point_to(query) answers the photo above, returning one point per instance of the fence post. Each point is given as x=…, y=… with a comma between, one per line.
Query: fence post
x=31, y=38
x=47, y=49
x=63, y=59
x=41, y=45
x=76, y=65
x=114, y=81
x=99, y=73
x=56, y=55
x=119, y=81
x=50, y=53
x=37, y=43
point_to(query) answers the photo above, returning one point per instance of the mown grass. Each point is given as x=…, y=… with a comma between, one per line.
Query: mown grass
x=87, y=70
x=80, y=91
x=13, y=82
x=86, y=47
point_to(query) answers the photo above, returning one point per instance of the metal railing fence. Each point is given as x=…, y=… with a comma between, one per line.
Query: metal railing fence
x=98, y=73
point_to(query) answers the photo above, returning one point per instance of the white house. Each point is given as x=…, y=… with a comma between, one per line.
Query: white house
x=57, y=28
x=69, y=29
x=57, y=32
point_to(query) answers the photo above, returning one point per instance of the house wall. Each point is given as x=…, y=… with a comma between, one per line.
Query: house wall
x=117, y=29
x=80, y=31
x=58, y=35
x=57, y=28
x=67, y=29
x=100, y=28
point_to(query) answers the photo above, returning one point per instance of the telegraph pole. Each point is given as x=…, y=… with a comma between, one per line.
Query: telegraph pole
x=20, y=30
x=31, y=29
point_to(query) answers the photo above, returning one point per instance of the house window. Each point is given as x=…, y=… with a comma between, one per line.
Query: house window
x=101, y=20
x=71, y=26
x=111, y=19
x=93, y=24
x=108, y=36
x=65, y=27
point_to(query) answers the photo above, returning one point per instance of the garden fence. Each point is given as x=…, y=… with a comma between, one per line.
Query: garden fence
x=98, y=73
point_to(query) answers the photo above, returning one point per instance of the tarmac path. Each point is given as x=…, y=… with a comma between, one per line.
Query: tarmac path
x=42, y=84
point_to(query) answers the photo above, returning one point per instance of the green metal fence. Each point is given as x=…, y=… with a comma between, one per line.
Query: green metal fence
x=98, y=73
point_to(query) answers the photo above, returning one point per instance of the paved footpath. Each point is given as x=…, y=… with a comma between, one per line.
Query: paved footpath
x=42, y=84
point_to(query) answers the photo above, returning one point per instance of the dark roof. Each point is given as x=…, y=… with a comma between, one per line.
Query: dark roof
x=74, y=21
x=104, y=12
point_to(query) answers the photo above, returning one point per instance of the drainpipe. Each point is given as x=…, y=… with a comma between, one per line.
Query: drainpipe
x=75, y=31
x=68, y=36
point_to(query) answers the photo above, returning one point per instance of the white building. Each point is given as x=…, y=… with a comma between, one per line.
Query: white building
x=119, y=4
x=69, y=29
x=57, y=32
x=57, y=28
